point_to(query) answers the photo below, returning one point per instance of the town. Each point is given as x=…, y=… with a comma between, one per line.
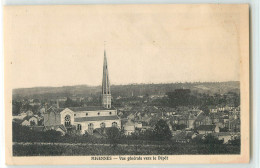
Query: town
x=150, y=114
x=190, y=116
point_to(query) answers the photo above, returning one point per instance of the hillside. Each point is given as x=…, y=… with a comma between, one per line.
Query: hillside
x=126, y=90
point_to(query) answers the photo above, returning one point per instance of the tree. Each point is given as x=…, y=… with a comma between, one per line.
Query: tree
x=162, y=131
x=51, y=136
x=205, y=109
x=69, y=102
x=113, y=135
x=235, y=141
x=16, y=107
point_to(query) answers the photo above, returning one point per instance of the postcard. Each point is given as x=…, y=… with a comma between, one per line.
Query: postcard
x=127, y=84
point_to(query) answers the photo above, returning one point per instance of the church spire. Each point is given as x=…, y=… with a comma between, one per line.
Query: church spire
x=106, y=95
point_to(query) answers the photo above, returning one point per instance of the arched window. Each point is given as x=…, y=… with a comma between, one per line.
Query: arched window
x=98, y=113
x=86, y=114
x=102, y=125
x=67, y=120
x=90, y=126
x=114, y=124
x=78, y=127
x=110, y=112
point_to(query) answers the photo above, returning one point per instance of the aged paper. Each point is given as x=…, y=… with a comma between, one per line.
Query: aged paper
x=127, y=84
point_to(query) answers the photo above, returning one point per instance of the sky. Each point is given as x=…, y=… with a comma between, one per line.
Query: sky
x=64, y=45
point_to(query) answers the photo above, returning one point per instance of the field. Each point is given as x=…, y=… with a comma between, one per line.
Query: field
x=67, y=149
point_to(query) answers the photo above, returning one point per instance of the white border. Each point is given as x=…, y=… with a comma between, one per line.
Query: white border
x=254, y=76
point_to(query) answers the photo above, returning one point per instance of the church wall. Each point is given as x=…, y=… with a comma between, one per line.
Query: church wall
x=95, y=113
x=64, y=113
x=108, y=123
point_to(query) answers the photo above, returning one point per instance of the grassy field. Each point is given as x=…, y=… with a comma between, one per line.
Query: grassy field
x=105, y=149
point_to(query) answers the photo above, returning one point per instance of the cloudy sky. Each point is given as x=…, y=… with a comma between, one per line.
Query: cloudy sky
x=64, y=45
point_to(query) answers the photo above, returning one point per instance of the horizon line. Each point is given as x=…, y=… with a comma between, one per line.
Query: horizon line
x=126, y=84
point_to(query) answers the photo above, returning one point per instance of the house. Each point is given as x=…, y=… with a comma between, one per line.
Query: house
x=191, y=121
x=180, y=137
x=202, y=119
x=213, y=110
x=225, y=136
x=25, y=123
x=29, y=113
x=138, y=125
x=206, y=129
x=129, y=128
x=183, y=136
x=183, y=120
x=131, y=116
x=146, y=118
x=30, y=121
x=169, y=111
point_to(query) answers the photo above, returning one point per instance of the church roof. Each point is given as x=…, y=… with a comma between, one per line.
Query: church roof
x=89, y=108
x=98, y=118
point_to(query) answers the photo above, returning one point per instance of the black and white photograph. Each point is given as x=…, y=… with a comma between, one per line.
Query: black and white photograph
x=127, y=83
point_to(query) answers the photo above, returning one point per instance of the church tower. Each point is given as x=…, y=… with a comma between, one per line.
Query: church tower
x=106, y=94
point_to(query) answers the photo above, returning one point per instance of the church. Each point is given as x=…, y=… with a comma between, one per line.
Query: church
x=86, y=119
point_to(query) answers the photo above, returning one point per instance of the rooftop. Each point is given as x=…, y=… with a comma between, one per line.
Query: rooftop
x=80, y=109
x=89, y=108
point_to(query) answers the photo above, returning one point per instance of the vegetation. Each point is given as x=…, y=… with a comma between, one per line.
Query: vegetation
x=137, y=149
x=28, y=142
x=113, y=135
x=125, y=90
x=184, y=97
x=70, y=103
x=162, y=131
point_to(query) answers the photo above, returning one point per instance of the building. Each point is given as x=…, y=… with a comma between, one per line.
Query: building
x=225, y=136
x=87, y=119
x=30, y=121
x=129, y=128
x=207, y=129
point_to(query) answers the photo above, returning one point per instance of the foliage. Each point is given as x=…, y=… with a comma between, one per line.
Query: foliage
x=113, y=135
x=236, y=141
x=25, y=134
x=210, y=139
x=16, y=107
x=70, y=103
x=103, y=149
x=205, y=109
x=162, y=131
x=184, y=97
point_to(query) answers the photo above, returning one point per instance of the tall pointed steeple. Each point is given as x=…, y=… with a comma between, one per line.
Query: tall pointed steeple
x=106, y=95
